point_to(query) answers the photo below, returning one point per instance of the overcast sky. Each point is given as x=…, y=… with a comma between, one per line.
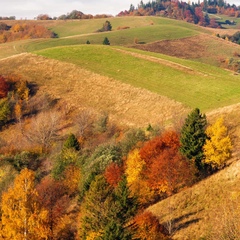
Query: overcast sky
x=54, y=8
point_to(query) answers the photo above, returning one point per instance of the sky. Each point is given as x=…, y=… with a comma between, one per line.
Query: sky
x=29, y=9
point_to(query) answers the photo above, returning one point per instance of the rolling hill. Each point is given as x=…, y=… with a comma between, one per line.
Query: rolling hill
x=154, y=72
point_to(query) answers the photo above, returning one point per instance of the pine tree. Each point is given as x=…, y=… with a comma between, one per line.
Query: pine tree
x=106, y=41
x=72, y=142
x=106, y=211
x=193, y=137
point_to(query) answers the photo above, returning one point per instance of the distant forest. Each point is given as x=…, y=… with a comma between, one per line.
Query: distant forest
x=197, y=13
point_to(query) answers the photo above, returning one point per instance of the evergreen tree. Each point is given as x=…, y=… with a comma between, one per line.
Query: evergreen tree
x=107, y=26
x=106, y=211
x=193, y=137
x=4, y=111
x=106, y=41
x=72, y=142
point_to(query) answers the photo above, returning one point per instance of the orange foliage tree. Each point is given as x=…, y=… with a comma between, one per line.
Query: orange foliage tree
x=113, y=174
x=52, y=195
x=166, y=169
x=148, y=227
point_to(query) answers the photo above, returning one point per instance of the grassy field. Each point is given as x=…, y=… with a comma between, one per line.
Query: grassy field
x=200, y=86
x=145, y=29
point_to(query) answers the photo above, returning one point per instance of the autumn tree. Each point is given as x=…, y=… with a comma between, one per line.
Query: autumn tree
x=166, y=170
x=106, y=27
x=22, y=215
x=217, y=149
x=134, y=166
x=147, y=227
x=52, y=195
x=193, y=137
x=113, y=174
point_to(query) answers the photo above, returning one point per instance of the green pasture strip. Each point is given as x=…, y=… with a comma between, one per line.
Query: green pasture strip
x=204, y=91
x=144, y=29
x=144, y=34
x=194, y=64
x=87, y=26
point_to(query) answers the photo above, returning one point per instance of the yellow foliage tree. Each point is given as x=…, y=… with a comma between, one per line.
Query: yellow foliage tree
x=71, y=179
x=218, y=146
x=134, y=166
x=22, y=216
x=137, y=185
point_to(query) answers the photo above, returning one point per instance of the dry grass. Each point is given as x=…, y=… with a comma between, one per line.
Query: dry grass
x=204, y=47
x=195, y=212
x=80, y=88
x=192, y=212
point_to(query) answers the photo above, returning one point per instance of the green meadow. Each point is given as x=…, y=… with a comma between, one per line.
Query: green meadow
x=207, y=88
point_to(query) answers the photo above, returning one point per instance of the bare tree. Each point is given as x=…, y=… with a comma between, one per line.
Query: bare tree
x=84, y=122
x=43, y=129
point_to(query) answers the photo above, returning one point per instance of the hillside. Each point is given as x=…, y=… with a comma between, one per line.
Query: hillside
x=206, y=210
x=81, y=88
x=155, y=71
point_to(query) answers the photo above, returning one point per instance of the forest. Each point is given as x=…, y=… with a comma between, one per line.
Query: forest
x=97, y=182
x=197, y=13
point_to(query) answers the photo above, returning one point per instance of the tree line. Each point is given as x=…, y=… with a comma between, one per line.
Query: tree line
x=196, y=13
x=20, y=31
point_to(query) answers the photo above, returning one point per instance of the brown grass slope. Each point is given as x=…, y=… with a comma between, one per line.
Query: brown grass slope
x=80, y=88
x=209, y=209
x=195, y=212
x=203, y=47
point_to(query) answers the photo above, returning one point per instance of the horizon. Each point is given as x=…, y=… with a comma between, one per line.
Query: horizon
x=26, y=9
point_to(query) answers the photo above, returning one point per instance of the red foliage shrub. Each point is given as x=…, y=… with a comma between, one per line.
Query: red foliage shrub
x=148, y=227
x=4, y=87
x=113, y=174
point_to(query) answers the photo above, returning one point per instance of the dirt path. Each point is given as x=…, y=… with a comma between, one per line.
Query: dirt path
x=164, y=62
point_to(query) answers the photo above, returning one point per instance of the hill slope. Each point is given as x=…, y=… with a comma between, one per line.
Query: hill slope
x=193, y=213
x=81, y=88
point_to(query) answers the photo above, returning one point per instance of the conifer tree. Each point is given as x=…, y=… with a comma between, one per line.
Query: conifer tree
x=72, y=142
x=106, y=211
x=193, y=137
x=106, y=41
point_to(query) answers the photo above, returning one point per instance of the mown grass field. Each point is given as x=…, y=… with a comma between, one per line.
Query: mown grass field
x=205, y=87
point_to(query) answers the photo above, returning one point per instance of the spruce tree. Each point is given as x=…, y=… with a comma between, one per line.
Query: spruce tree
x=193, y=137
x=106, y=41
x=72, y=142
